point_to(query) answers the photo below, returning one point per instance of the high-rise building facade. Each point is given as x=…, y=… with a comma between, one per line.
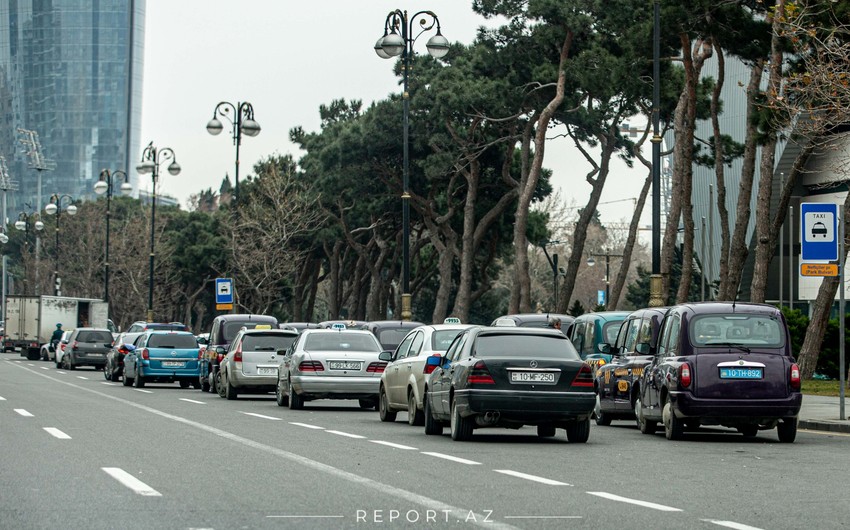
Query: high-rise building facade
x=70, y=70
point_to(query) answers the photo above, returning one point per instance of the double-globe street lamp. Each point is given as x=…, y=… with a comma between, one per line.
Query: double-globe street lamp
x=591, y=262
x=242, y=124
x=25, y=219
x=54, y=207
x=105, y=185
x=152, y=158
x=398, y=40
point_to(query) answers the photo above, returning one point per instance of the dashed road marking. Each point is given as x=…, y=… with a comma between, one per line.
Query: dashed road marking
x=61, y=372
x=390, y=444
x=731, y=524
x=193, y=401
x=57, y=433
x=2, y=398
x=263, y=416
x=24, y=413
x=30, y=364
x=145, y=391
x=108, y=383
x=131, y=482
x=645, y=504
x=533, y=478
x=82, y=377
x=452, y=458
x=346, y=434
x=45, y=368
x=306, y=425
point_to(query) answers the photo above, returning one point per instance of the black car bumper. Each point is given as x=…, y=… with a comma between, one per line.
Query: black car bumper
x=688, y=406
x=526, y=406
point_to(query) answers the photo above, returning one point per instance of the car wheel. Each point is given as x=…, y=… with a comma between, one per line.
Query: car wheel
x=202, y=384
x=461, y=427
x=384, y=407
x=601, y=417
x=71, y=365
x=674, y=428
x=296, y=402
x=546, y=430
x=213, y=381
x=282, y=400
x=44, y=356
x=368, y=404
x=646, y=426
x=196, y=385
x=126, y=381
x=415, y=417
x=230, y=391
x=578, y=431
x=219, y=387
x=58, y=364
x=748, y=430
x=184, y=383
x=432, y=426
x=107, y=372
x=787, y=430
x=139, y=379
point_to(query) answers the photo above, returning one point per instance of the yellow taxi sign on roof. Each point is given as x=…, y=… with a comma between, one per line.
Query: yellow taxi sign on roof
x=263, y=326
x=451, y=320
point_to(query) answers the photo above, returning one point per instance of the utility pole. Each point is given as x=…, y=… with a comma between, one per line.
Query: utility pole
x=39, y=163
x=6, y=184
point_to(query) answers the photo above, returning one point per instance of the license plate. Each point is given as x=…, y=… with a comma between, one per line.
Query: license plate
x=266, y=371
x=741, y=373
x=532, y=377
x=344, y=365
x=96, y=354
x=176, y=364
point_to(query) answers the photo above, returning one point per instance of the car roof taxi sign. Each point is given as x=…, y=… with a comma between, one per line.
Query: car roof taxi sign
x=451, y=320
x=339, y=326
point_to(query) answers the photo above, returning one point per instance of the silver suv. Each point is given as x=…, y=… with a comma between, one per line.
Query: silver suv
x=251, y=363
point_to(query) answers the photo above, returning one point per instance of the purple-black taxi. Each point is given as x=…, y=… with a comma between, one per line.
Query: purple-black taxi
x=721, y=363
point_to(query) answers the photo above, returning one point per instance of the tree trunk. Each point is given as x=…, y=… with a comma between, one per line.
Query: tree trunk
x=719, y=167
x=467, y=254
x=525, y=165
x=617, y=288
x=674, y=212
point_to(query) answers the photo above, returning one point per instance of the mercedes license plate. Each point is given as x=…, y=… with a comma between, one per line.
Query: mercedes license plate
x=344, y=365
x=174, y=364
x=266, y=371
x=741, y=373
x=532, y=377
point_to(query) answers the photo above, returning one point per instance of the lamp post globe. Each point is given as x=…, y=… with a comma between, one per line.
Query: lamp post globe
x=174, y=168
x=39, y=225
x=250, y=128
x=379, y=49
x=4, y=238
x=20, y=224
x=126, y=188
x=438, y=46
x=214, y=126
x=101, y=187
x=71, y=210
x=591, y=262
x=50, y=209
x=393, y=44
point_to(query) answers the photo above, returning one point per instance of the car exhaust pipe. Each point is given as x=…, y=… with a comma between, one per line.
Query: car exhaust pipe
x=488, y=418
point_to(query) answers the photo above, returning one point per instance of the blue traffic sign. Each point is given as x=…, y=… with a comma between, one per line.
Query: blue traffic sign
x=600, y=297
x=819, y=231
x=223, y=290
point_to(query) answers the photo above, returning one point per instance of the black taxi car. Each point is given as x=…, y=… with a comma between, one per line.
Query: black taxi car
x=721, y=363
x=617, y=383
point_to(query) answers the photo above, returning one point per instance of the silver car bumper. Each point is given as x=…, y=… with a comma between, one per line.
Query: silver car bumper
x=335, y=385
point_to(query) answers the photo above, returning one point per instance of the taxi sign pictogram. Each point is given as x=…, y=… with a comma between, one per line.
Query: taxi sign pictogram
x=223, y=291
x=819, y=231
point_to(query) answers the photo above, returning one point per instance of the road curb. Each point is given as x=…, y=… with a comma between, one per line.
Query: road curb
x=829, y=426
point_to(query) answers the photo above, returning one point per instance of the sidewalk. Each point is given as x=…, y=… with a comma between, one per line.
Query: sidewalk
x=821, y=413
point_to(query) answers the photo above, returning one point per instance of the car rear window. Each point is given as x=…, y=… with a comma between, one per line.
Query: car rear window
x=610, y=331
x=741, y=329
x=175, y=341
x=267, y=342
x=341, y=341
x=230, y=329
x=524, y=346
x=392, y=337
x=441, y=340
x=95, y=336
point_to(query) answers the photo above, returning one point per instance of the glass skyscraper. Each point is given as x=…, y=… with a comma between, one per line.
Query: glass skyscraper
x=70, y=70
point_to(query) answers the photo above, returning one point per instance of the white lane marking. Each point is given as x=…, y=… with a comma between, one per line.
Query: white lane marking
x=645, y=504
x=193, y=401
x=346, y=434
x=452, y=458
x=731, y=524
x=387, y=490
x=2, y=398
x=145, y=391
x=57, y=433
x=81, y=377
x=534, y=478
x=24, y=413
x=108, y=383
x=61, y=372
x=261, y=416
x=390, y=444
x=30, y=364
x=131, y=482
x=306, y=425
x=45, y=368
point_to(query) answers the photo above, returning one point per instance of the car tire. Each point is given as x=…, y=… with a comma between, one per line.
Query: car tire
x=749, y=431
x=578, y=431
x=107, y=372
x=71, y=365
x=213, y=381
x=787, y=430
x=646, y=426
x=58, y=365
x=184, y=383
x=545, y=430
x=674, y=428
x=415, y=417
x=432, y=425
x=282, y=400
x=230, y=391
x=368, y=404
x=204, y=385
x=126, y=381
x=196, y=385
x=601, y=417
x=138, y=380
x=296, y=402
x=219, y=387
x=461, y=427
x=384, y=411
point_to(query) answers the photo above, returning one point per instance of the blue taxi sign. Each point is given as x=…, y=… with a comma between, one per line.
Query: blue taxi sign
x=819, y=231
x=339, y=326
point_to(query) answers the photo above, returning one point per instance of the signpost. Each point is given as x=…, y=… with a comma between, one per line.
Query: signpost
x=224, y=294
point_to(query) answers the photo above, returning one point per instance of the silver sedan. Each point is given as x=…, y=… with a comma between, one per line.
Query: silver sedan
x=331, y=364
x=251, y=363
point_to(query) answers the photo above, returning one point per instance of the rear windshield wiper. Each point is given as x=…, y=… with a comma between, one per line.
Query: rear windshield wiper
x=729, y=344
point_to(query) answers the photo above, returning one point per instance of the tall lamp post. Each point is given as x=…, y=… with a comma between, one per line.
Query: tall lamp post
x=23, y=224
x=105, y=185
x=656, y=297
x=242, y=124
x=591, y=262
x=152, y=158
x=54, y=207
x=398, y=40
x=553, y=262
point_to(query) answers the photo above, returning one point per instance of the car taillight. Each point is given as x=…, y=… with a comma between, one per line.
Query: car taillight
x=237, y=355
x=200, y=354
x=74, y=346
x=795, y=376
x=376, y=367
x=311, y=366
x=62, y=346
x=479, y=375
x=219, y=357
x=685, y=375
x=584, y=377
x=145, y=354
x=427, y=369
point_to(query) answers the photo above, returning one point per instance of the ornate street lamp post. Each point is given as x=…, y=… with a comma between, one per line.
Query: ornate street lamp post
x=243, y=124
x=152, y=158
x=656, y=297
x=23, y=224
x=105, y=185
x=54, y=207
x=398, y=40
x=591, y=262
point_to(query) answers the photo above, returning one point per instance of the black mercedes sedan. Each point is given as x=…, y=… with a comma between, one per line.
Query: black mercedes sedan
x=510, y=377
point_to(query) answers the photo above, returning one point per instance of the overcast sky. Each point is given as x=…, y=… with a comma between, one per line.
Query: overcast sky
x=286, y=58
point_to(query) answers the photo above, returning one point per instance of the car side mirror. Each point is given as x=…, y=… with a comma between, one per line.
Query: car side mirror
x=281, y=352
x=202, y=341
x=220, y=350
x=604, y=347
x=642, y=348
x=385, y=356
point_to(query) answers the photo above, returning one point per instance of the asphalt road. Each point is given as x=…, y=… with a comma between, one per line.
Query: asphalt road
x=79, y=452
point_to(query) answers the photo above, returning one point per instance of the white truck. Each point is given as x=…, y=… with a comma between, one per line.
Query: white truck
x=31, y=320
